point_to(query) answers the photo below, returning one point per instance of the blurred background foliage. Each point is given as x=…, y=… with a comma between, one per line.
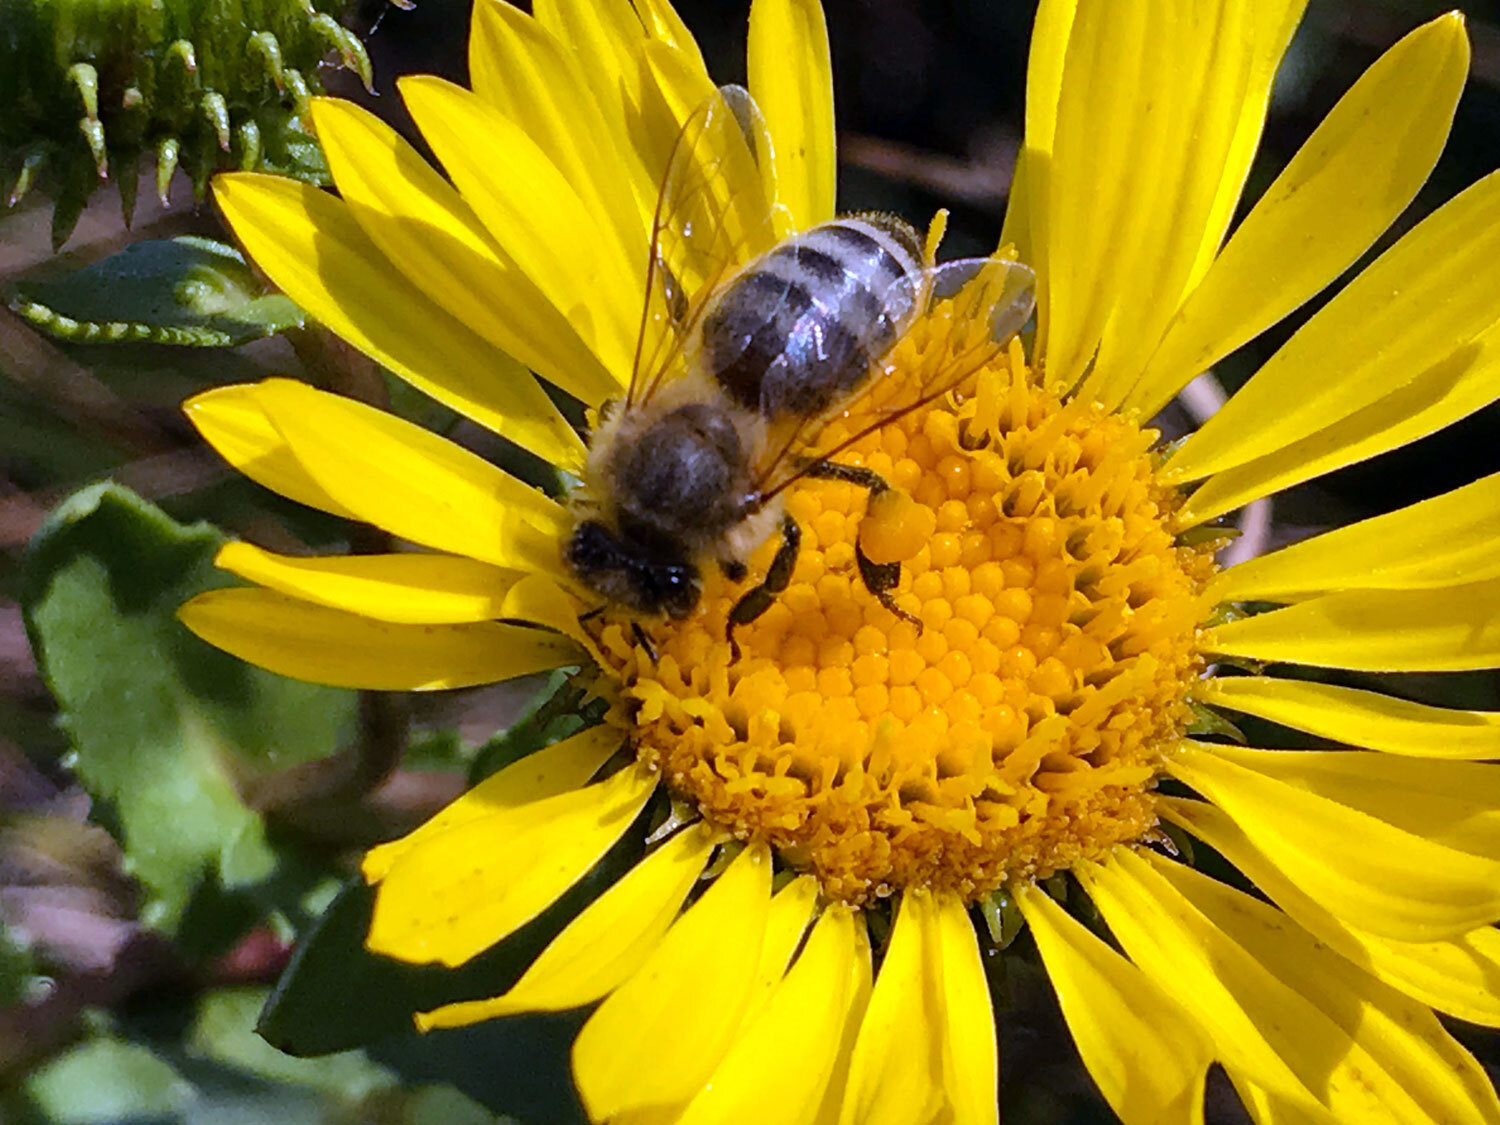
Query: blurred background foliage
x=173, y=822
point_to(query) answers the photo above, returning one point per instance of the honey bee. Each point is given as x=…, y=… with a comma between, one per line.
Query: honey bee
x=750, y=343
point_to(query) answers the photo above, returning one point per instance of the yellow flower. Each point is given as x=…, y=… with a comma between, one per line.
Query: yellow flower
x=849, y=767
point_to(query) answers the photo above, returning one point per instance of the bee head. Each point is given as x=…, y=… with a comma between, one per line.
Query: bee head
x=646, y=579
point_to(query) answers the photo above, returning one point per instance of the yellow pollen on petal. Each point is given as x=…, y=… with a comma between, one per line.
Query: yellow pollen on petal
x=1018, y=731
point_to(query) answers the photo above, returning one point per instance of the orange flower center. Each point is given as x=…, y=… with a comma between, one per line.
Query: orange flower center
x=1018, y=731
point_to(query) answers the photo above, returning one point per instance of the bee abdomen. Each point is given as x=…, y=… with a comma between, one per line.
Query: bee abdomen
x=797, y=329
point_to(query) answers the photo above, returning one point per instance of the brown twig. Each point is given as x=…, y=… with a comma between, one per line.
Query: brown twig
x=982, y=181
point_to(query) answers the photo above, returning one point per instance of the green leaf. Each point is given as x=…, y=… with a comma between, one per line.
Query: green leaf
x=161, y=1065
x=39, y=445
x=516, y=1067
x=188, y=291
x=104, y=1081
x=443, y=1105
x=439, y=751
x=164, y=728
x=224, y=1031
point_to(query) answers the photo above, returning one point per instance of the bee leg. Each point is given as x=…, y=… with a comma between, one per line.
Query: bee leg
x=879, y=578
x=733, y=569
x=639, y=636
x=778, y=576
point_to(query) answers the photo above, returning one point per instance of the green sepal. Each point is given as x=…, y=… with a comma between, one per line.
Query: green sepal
x=33, y=160
x=559, y=709
x=1207, y=533
x=287, y=148
x=166, y=731
x=1178, y=842
x=193, y=292
x=1002, y=917
x=1208, y=721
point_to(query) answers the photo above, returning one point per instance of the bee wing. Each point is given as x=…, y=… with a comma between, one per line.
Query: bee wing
x=712, y=216
x=974, y=307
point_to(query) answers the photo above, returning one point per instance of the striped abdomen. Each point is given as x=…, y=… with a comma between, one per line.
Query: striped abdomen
x=797, y=329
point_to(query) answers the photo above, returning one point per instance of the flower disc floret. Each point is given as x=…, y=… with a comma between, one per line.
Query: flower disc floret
x=1016, y=732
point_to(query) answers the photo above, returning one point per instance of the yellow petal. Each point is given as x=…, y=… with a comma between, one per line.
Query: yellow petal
x=1026, y=215
x=408, y=589
x=459, y=891
x=1439, y=542
x=677, y=88
x=521, y=69
x=1285, y=1012
x=601, y=948
x=533, y=214
x=1150, y=107
x=1147, y=1055
x=1266, y=1108
x=1339, y=193
x=718, y=181
x=231, y=420
x=1269, y=33
x=971, y=1062
x=1359, y=718
x=1378, y=1046
x=1188, y=179
x=656, y=1039
x=422, y=226
x=1460, y=976
x=896, y=1072
x=791, y=78
x=791, y=912
x=1451, y=389
x=1456, y=804
x=310, y=246
x=515, y=792
x=661, y=22
x=603, y=33
x=779, y=1066
x=413, y=483
x=607, y=34
x=858, y=999
x=607, y=37
x=540, y=598
x=1414, y=317
x=327, y=646
x=1251, y=1018
x=1445, y=630
x=1335, y=837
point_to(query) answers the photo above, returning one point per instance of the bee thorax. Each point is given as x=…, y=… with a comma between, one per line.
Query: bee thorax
x=685, y=475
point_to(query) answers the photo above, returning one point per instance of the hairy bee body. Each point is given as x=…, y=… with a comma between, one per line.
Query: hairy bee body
x=788, y=337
